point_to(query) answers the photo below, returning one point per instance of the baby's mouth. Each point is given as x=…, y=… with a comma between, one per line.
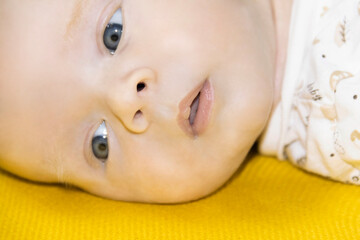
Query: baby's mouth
x=195, y=109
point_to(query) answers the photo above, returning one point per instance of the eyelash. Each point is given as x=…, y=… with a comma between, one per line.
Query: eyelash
x=103, y=20
x=113, y=32
x=113, y=28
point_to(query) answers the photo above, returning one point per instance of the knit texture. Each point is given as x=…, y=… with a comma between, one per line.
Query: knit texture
x=267, y=199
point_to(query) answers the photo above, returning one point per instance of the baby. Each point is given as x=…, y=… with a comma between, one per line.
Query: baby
x=153, y=100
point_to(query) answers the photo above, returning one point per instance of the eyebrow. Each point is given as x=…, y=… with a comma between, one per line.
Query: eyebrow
x=75, y=18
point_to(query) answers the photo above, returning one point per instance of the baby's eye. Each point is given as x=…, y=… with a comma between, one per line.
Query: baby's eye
x=113, y=31
x=99, y=143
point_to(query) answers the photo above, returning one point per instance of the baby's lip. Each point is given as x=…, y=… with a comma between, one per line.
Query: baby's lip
x=202, y=117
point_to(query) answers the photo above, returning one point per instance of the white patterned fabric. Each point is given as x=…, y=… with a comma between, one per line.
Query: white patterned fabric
x=316, y=125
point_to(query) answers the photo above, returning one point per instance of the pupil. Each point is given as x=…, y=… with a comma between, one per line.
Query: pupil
x=114, y=37
x=102, y=147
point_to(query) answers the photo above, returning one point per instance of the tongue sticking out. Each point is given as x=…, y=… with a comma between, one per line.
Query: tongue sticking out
x=194, y=108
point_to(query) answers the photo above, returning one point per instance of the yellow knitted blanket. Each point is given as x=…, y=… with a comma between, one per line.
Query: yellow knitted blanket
x=267, y=199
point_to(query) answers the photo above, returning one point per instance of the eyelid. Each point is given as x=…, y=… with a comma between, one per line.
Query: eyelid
x=103, y=21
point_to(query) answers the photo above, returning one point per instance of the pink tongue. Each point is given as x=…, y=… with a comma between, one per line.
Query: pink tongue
x=194, y=108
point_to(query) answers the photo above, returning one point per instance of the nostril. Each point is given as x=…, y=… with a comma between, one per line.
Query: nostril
x=138, y=114
x=139, y=123
x=140, y=86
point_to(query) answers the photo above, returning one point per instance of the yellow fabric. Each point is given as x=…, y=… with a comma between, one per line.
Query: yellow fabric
x=269, y=199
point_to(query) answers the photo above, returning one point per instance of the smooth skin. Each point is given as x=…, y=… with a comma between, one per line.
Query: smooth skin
x=58, y=83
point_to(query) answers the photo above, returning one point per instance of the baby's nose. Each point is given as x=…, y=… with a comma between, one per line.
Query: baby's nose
x=128, y=99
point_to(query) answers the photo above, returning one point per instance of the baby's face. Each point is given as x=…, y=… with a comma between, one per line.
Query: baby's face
x=166, y=117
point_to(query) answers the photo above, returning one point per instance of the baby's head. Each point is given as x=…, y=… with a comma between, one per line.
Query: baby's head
x=163, y=111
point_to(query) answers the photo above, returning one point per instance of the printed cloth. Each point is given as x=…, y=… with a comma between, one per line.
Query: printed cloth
x=316, y=125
